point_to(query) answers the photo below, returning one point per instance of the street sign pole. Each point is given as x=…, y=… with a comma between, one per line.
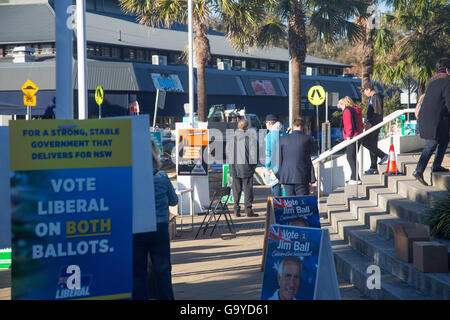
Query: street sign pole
x=81, y=57
x=64, y=48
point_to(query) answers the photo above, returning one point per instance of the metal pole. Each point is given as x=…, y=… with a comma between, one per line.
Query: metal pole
x=81, y=53
x=409, y=94
x=156, y=108
x=64, y=52
x=291, y=102
x=28, y=117
x=356, y=169
x=318, y=130
x=318, y=183
x=191, y=64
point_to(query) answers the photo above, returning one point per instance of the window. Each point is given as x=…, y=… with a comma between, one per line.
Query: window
x=90, y=50
x=148, y=55
x=140, y=54
x=46, y=49
x=274, y=66
x=174, y=58
x=115, y=52
x=254, y=64
x=129, y=54
x=105, y=51
x=237, y=64
x=263, y=65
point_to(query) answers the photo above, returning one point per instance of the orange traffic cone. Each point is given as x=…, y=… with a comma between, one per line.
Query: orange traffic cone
x=392, y=163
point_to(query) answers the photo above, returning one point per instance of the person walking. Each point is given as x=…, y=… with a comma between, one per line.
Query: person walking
x=434, y=120
x=156, y=244
x=352, y=126
x=242, y=167
x=272, y=140
x=295, y=160
x=373, y=117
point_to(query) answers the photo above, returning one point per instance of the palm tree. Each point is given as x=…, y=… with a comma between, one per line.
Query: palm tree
x=167, y=12
x=366, y=45
x=416, y=35
x=274, y=20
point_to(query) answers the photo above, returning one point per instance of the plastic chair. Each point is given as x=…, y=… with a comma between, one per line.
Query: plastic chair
x=218, y=206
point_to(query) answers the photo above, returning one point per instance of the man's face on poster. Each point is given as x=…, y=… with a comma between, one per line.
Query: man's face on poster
x=289, y=281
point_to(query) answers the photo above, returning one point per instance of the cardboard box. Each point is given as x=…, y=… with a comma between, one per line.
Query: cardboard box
x=430, y=256
x=405, y=234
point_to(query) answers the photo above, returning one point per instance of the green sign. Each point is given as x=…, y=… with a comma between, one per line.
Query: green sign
x=5, y=259
x=227, y=181
x=99, y=95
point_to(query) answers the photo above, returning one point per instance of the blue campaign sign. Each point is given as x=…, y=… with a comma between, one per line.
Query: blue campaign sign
x=70, y=234
x=71, y=209
x=296, y=211
x=291, y=264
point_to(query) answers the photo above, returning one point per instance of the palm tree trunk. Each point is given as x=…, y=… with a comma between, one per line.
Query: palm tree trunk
x=367, y=53
x=202, y=56
x=297, y=52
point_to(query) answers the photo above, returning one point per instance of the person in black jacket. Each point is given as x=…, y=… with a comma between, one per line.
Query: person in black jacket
x=373, y=117
x=243, y=154
x=295, y=160
x=434, y=120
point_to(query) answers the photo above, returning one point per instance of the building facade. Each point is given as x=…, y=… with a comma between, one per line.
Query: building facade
x=131, y=61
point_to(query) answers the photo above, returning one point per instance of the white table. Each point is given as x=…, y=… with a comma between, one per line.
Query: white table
x=179, y=193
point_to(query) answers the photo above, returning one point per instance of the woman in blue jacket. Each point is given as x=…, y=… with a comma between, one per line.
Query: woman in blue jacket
x=156, y=244
x=272, y=140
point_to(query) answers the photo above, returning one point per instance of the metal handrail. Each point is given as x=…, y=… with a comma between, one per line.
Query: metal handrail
x=394, y=115
x=323, y=156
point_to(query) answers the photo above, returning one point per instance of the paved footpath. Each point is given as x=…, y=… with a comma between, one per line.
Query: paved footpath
x=212, y=268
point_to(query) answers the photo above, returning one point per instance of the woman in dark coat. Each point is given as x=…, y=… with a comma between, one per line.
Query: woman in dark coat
x=434, y=120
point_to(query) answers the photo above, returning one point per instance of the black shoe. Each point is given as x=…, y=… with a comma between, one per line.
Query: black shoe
x=384, y=159
x=419, y=177
x=237, y=213
x=371, y=171
x=440, y=169
x=252, y=214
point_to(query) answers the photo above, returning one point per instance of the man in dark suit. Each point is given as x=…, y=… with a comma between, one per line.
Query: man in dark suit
x=295, y=160
x=243, y=154
x=434, y=120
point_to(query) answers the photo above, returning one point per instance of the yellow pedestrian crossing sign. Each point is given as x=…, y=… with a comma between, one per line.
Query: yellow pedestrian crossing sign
x=99, y=95
x=30, y=89
x=316, y=95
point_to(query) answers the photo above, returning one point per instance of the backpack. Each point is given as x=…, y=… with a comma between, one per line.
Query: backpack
x=353, y=118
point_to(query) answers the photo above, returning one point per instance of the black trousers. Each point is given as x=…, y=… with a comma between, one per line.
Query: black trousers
x=351, y=158
x=237, y=186
x=296, y=189
x=370, y=142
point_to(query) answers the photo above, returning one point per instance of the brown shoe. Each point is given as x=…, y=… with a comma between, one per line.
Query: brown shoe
x=252, y=214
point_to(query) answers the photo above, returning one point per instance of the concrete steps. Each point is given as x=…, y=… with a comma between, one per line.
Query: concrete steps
x=360, y=219
x=351, y=263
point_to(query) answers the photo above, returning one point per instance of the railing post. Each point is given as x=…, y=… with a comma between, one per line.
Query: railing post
x=356, y=167
x=318, y=183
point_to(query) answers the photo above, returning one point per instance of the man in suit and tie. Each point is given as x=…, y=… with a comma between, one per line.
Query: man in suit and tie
x=295, y=160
